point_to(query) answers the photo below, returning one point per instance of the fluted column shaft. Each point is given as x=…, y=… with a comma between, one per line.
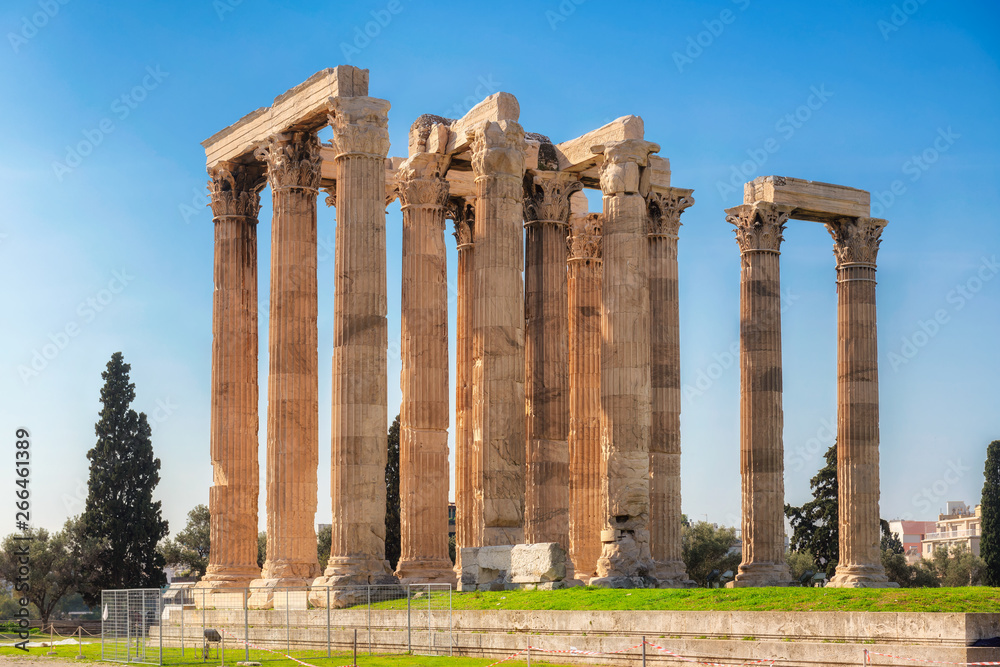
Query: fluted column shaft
x=625, y=369
x=232, y=499
x=856, y=243
x=424, y=414
x=293, y=170
x=468, y=485
x=584, y=296
x=546, y=213
x=665, y=209
x=360, y=342
x=498, y=329
x=759, y=233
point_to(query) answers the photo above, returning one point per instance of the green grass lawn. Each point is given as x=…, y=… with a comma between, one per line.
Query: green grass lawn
x=966, y=599
x=172, y=656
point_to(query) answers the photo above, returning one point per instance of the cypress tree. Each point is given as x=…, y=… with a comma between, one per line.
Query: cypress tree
x=120, y=509
x=989, y=542
x=393, y=541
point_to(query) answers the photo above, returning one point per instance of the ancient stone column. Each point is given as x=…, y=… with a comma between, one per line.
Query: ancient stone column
x=625, y=369
x=425, y=410
x=759, y=230
x=498, y=329
x=468, y=487
x=232, y=500
x=360, y=342
x=584, y=289
x=546, y=215
x=293, y=172
x=856, y=242
x=665, y=208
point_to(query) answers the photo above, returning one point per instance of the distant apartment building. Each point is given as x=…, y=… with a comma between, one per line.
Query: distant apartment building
x=911, y=534
x=959, y=525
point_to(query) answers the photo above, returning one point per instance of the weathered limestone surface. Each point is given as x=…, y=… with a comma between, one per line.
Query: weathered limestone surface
x=546, y=214
x=468, y=484
x=584, y=288
x=665, y=207
x=856, y=242
x=360, y=341
x=537, y=563
x=625, y=369
x=759, y=229
x=424, y=414
x=293, y=165
x=235, y=200
x=498, y=329
x=809, y=200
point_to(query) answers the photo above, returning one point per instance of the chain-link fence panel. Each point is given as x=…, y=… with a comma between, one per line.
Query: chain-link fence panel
x=130, y=626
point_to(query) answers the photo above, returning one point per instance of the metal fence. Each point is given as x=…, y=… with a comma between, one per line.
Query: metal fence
x=256, y=624
x=128, y=618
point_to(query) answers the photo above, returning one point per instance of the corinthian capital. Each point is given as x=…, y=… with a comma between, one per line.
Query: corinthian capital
x=498, y=149
x=856, y=240
x=421, y=180
x=665, y=207
x=462, y=211
x=759, y=226
x=293, y=160
x=584, y=240
x=360, y=126
x=235, y=189
x=546, y=196
x=620, y=172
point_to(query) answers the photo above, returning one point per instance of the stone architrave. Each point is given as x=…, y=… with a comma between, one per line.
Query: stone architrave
x=293, y=172
x=468, y=479
x=360, y=342
x=856, y=243
x=498, y=150
x=759, y=228
x=546, y=215
x=424, y=414
x=625, y=369
x=665, y=206
x=584, y=290
x=232, y=500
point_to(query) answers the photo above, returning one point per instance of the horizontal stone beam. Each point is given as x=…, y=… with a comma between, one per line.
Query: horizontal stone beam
x=575, y=154
x=303, y=107
x=811, y=200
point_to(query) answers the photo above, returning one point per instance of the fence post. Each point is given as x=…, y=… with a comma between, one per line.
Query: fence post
x=644, y=651
x=864, y=660
x=246, y=624
x=79, y=640
x=204, y=605
x=369, y=589
x=288, y=624
x=328, y=621
x=183, y=598
x=161, y=607
x=528, y=649
x=409, y=623
x=355, y=661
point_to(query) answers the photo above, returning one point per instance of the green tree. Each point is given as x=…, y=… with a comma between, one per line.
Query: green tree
x=706, y=547
x=190, y=549
x=800, y=562
x=957, y=566
x=989, y=542
x=52, y=571
x=392, y=530
x=261, y=548
x=906, y=575
x=324, y=538
x=890, y=541
x=120, y=508
x=814, y=524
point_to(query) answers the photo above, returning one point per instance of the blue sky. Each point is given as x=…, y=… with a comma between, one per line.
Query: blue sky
x=106, y=245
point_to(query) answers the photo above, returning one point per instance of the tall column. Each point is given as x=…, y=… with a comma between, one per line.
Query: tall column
x=424, y=414
x=759, y=230
x=498, y=329
x=625, y=369
x=856, y=242
x=360, y=341
x=665, y=208
x=546, y=215
x=232, y=500
x=468, y=487
x=293, y=172
x=584, y=289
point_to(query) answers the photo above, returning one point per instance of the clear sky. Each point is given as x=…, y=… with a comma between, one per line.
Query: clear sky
x=106, y=245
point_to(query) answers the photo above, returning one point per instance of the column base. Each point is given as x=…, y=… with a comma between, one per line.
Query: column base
x=673, y=574
x=625, y=562
x=752, y=575
x=860, y=576
x=429, y=571
x=222, y=576
x=350, y=580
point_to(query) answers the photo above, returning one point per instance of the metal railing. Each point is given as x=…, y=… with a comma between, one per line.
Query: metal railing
x=952, y=535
